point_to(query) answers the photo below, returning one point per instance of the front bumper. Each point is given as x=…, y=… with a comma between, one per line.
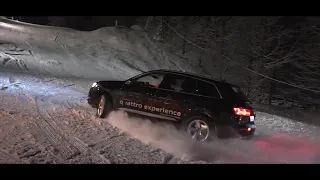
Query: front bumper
x=91, y=102
x=93, y=97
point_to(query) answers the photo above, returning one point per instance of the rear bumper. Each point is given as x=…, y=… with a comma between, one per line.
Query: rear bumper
x=245, y=126
x=246, y=130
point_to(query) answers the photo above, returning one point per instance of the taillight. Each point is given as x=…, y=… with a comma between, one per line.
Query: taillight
x=242, y=111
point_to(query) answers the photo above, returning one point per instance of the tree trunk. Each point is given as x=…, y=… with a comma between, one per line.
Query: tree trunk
x=149, y=20
x=250, y=76
x=271, y=89
x=222, y=50
x=184, y=45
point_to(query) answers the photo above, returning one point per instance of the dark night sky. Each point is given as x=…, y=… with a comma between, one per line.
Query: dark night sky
x=94, y=22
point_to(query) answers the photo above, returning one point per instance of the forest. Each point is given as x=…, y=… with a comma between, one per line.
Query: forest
x=276, y=59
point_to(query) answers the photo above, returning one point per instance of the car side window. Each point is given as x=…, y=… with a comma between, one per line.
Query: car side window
x=179, y=83
x=151, y=80
x=207, y=89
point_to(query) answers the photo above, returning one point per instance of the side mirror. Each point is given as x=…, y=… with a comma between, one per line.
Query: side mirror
x=128, y=82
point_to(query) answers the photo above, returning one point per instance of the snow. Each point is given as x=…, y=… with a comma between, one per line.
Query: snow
x=97, y=54
x=45, y=73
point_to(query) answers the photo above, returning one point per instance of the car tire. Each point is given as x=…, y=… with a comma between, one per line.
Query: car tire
x=104, y=107
x=211, y=127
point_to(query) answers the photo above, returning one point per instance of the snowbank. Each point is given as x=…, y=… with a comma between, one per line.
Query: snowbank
x=106, y=53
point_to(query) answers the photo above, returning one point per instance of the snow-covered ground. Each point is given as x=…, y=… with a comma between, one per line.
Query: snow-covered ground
x=45, y=73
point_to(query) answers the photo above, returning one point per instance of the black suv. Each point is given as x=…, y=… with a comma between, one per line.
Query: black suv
x=200, y=105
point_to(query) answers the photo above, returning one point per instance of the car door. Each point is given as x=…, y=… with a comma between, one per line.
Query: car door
x=135, y=96
x=211, y=99
x=176, y=96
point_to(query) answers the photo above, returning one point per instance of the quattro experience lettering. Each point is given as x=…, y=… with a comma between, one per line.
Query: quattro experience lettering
x=150, y=108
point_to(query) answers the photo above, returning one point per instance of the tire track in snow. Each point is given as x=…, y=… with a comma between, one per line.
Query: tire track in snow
x=49, y=129
x=43, y=142
x=6, y=158
x=44, y=127
x=71, y=145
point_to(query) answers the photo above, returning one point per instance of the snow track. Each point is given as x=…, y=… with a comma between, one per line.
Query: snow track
x=45, y=121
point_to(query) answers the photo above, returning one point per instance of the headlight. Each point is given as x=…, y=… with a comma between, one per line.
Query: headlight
x=94, y=85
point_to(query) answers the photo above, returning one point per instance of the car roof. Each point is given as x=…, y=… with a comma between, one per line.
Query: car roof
x=198, y=76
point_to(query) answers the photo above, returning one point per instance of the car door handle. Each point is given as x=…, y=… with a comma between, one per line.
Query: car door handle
x=186, y=101
x=167, y=101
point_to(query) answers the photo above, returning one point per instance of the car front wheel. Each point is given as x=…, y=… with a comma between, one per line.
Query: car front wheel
x=104, y=107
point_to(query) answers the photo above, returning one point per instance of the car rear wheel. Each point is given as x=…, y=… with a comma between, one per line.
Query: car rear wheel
x=104, y=107
x=200, y=129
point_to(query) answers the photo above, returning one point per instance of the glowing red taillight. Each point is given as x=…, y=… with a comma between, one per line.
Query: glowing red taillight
x=242, y=111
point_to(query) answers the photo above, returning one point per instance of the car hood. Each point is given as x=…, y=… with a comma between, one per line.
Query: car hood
x=111, y=84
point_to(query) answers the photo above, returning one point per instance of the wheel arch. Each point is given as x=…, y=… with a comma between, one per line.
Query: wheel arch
x=203, y=113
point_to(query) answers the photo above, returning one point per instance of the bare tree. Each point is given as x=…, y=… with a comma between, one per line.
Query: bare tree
x=161, y=30
x=287, y=55
x=305, y=65
x=214, y=38
x=267, y=44
x=261, y=44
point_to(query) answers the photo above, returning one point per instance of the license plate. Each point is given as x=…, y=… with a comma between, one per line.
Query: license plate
x=251, y=118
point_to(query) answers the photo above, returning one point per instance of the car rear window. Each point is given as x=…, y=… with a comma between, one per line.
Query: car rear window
x=230, y=92
x=239, y=93
x=207, y=89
